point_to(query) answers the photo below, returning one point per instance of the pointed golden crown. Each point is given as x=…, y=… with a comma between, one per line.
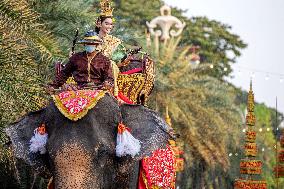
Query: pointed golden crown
x=106, y=9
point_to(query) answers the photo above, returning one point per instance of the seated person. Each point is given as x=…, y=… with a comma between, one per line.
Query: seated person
x=89, y=68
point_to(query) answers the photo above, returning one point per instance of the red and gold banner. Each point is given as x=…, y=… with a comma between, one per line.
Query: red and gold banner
x=252, y=167
x=282, y=140
x=250, y=119
x=281, y=156
x=250, y=149
x=279, y=171
x=250, y=136
x=179, y=164
x=250, y=184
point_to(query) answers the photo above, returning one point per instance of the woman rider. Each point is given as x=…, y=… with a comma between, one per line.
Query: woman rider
x=113, y=49
x=112, y=46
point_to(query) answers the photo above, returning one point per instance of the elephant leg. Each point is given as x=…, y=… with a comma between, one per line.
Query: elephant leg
x=127, y=173
x=134, y=175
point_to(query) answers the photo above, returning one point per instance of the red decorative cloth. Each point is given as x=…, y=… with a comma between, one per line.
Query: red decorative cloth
x=158, y=170
x=123, y=99
x=132, y=71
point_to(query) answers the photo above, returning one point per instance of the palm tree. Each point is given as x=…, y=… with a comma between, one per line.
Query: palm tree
x=202, y=109
x=65, y=16
x=27, y=50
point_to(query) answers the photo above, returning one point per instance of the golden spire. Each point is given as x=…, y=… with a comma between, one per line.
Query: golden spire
x=106, y=9
x=250, y=118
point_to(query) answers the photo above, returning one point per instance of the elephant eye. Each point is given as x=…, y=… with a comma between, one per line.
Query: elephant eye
x=103, y=151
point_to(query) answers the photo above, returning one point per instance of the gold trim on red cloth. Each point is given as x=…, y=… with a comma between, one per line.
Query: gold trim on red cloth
x=75, y=104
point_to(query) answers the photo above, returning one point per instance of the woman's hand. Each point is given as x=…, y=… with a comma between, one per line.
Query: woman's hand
x=126, y=61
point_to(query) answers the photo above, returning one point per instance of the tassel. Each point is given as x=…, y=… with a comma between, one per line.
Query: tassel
x=126, y=144
x=38, y=141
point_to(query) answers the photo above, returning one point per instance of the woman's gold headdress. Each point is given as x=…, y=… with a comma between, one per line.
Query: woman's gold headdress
x=106, y=9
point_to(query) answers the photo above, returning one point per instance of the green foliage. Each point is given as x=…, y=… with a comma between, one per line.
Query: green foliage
x=218, y=45
x=8, y=174
x=135, y=14
x=63, y=17
x=266, y=142
x=209, y=115
x=26, y=51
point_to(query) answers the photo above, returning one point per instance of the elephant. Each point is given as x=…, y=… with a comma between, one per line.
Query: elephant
x=81, y=154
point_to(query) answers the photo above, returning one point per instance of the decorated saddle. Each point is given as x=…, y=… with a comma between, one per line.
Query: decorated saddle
x=75, y=104
x=136, y=81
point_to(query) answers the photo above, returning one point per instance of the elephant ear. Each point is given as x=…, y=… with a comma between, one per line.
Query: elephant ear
x=148, y=127
x=20, y=134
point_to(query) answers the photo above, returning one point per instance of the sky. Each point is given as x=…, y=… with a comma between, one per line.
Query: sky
x=259, y=23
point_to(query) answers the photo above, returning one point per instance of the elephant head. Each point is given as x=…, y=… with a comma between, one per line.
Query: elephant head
x=81, y=154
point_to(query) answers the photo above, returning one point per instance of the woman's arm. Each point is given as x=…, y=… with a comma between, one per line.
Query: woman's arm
x=119, y=55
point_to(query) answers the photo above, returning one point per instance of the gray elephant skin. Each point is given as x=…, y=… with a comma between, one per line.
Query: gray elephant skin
x=81, y=154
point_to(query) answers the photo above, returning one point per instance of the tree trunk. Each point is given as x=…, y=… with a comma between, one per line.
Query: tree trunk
x=202, y=166
x=215, y=180
x=199, y=175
